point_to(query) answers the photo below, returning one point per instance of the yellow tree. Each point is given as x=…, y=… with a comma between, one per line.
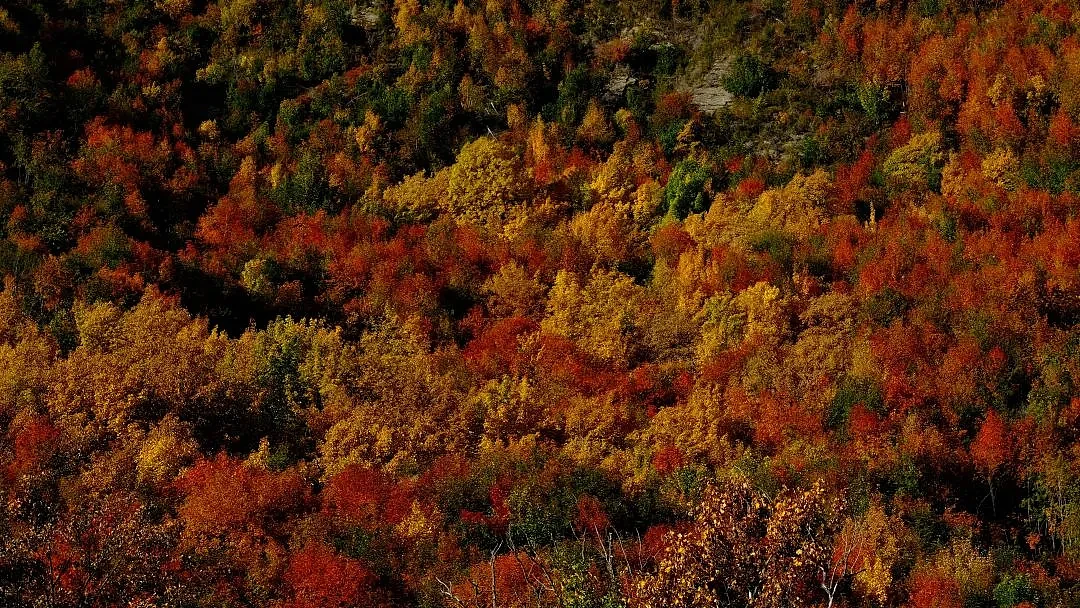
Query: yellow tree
x=417, y=198
x=165, y=451
x=797, y=208
x=863, y=553
x=743, y=548
x=609, y=233
x=401, y=406
x=915, y=165
x=486, y=183
x=134, y=365
x=512, y=292
x=27, y=356
x=604, y=318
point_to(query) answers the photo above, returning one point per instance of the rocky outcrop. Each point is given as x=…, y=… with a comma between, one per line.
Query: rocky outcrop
x=709, y=94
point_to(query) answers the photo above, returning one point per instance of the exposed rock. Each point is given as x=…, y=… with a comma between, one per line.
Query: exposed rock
x=367, y=17
x=709, y=95
x=616, y=85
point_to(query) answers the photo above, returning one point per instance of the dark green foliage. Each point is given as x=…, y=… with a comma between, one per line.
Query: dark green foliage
x=575, y=90
x=818, y=260
x=668, y=135
x=853, y=392
x=872, y=99
x=810, y=152
x=947, y=227
x=1013, y=590
x=748, y=76
x=687, y=189
x=886, y=306
x=777, y=244
x=62, y=328
x=668, y=59
x=930, y=8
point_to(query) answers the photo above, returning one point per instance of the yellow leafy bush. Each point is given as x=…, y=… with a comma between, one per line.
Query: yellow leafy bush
x=1002, y=167
x=486, y=183
x=167, y=448
x=911, y=165
x=604, y=317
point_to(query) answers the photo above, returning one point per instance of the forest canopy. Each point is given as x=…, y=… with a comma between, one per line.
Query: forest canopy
x=742, y=303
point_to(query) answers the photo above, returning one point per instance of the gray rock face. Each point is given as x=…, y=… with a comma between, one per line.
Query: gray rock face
x=616, y=85
x=709, y=94
x=367, y=17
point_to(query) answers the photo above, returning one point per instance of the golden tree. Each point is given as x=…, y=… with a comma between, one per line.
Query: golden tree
x=744, y=548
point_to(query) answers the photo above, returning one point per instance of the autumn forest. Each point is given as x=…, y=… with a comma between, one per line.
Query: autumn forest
x=539, y=303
